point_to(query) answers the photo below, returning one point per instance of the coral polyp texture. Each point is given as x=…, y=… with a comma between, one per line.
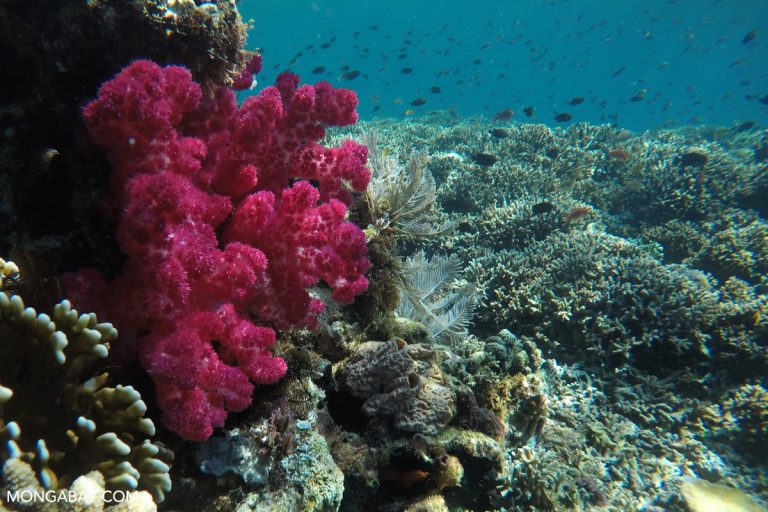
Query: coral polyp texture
x=60, y=420
x=228, y=216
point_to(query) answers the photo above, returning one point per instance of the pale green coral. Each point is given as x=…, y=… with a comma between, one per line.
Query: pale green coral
x=57, y=411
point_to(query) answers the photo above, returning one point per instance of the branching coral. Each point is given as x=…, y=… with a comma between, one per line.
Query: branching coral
x=57, y=414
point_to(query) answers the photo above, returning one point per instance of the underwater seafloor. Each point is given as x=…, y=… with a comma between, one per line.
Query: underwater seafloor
x=516, y=317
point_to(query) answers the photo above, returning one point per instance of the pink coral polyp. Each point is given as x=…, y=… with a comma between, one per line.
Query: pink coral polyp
x=223, y=232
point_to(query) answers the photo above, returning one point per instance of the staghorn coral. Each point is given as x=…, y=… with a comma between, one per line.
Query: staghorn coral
x=61, y=417
x=611, y=300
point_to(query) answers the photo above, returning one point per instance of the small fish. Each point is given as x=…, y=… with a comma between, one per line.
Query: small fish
x=435, y=89
x=745, y=126
x=398, y=101
x=693, y=159
x=406, y=70
x=542, y=208
x=504, y=115
x=408, y=112
x=528, y=111
x=577, y=213
x=619, y=71
x=418, y=102
x=484, y=159
x=578, y=100
x=622, y=155
x=563, y=117
x=499, y=133
x=325, y=46
x=639, y=95
x=349, y=75
x=318, y=70
x=751, y=35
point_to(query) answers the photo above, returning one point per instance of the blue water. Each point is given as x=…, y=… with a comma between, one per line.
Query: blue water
x=687, y=55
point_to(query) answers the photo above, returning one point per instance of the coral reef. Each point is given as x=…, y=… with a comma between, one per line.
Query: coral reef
x=58, y=415
x=186, y=166
x=600, y=296
x=632, y=366
x=297, y=473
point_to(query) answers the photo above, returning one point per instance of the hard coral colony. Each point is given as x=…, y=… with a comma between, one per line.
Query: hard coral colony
x=216, y=234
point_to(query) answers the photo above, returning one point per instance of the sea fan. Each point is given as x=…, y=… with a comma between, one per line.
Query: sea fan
x=434, y=295
x=402, y=198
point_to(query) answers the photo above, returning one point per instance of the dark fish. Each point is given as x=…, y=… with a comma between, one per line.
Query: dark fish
x=349, y=75
x=563, y=117
x=325, y=46
x=376, y=108
x=577, y=100
x=750, y=36
x=318, y=70
x=542, y=207
x=639, y=95
x=504, y=115
x=406, y=71
x=763, y=100
x=619, y=71
x=747, y=125
x=435, y=89
x=418, y=102
x=484, y=159
x=528, y=111
x=693, y=159
x=402, y=56
x=499, y=133
x=761, y=153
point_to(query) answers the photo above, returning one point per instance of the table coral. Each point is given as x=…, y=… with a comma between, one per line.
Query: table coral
x=57, y=412
x=226, y=214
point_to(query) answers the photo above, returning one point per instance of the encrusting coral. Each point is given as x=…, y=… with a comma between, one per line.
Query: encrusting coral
x=58, y=414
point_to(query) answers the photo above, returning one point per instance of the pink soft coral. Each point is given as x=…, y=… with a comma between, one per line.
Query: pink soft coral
x=223, y=232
